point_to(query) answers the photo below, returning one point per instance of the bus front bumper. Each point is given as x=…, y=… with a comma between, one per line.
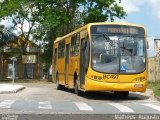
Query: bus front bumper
x=92, y=85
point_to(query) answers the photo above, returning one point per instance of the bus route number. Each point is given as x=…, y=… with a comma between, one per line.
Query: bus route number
x=110, y=76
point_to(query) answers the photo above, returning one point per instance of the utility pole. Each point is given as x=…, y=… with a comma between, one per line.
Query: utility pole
x=13, y=74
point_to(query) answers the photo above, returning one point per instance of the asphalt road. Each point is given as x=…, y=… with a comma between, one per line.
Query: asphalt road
x=43, y=99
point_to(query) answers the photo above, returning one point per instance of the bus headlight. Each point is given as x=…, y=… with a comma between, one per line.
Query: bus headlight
x=139, y=79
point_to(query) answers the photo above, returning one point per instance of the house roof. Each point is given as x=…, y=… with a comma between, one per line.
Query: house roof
x=21, y=40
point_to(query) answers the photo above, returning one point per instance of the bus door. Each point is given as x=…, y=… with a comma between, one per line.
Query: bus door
x=67, y=63
x=82, y=63
x=55, y=63
x=84, y=60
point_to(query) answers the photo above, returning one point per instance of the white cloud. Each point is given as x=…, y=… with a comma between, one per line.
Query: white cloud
x=155, y=7
x=7, y=23
x=131, y=6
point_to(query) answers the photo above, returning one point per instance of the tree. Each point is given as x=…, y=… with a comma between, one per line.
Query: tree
x=6, y=35
x=67, y=15
x=8, y=7
x=60, y=17
x=48, y=19
x=23, y=15
x=24, y=18
x=102, y=10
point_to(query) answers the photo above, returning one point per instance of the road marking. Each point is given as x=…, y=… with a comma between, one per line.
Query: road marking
x=83, y=106
x=6, y=103
x=45, y=105
x=152, y=106
x=121, y=107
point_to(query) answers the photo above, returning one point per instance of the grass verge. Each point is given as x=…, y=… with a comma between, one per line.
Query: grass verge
x=155, y=86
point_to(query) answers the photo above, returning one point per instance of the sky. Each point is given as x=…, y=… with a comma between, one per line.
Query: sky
x=147, y=13
x=144, y=12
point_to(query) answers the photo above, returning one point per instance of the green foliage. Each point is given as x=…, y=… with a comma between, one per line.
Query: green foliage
x=8, y=7
x=21, y=12
x=102, y=10
x=49, y=19
x=6, y=35
x=155, y=86
x=59, y=17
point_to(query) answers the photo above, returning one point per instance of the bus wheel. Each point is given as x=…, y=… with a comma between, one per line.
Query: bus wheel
x=76, y=89
x=121, y=93
x=58, y=86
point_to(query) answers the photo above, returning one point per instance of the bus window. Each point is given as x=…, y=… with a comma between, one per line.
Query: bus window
x=61, y=48
x=105, y=53
x=75, y=40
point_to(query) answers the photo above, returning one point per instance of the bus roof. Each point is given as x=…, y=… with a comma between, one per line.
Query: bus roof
x=97, y=23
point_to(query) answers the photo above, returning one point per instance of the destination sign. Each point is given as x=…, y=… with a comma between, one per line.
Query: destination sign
x=117, y=29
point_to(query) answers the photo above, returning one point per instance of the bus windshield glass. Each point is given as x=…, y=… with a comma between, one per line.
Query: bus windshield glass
x=119, y=50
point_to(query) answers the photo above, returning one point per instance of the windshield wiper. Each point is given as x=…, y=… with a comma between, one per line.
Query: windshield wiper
x=108, y=39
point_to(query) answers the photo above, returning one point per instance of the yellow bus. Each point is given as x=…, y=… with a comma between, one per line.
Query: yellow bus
x=102, y=57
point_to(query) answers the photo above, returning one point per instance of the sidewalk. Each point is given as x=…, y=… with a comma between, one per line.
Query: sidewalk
x=9, y=88
x=149, y=93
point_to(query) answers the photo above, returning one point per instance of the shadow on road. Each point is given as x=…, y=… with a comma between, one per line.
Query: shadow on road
x=109, y=96
x=112, y=96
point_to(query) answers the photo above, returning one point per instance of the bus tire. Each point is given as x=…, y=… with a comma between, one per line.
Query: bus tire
x=121, y=93
x=76, y=89
x=58, y=86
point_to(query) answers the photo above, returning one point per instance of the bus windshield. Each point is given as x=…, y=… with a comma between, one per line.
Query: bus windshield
x=113, y=53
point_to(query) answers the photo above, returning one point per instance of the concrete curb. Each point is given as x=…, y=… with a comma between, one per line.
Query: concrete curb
x=7, y=89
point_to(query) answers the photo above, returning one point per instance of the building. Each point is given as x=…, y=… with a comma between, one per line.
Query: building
x=157, y=58
x=154, y=63
x=27, y=65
